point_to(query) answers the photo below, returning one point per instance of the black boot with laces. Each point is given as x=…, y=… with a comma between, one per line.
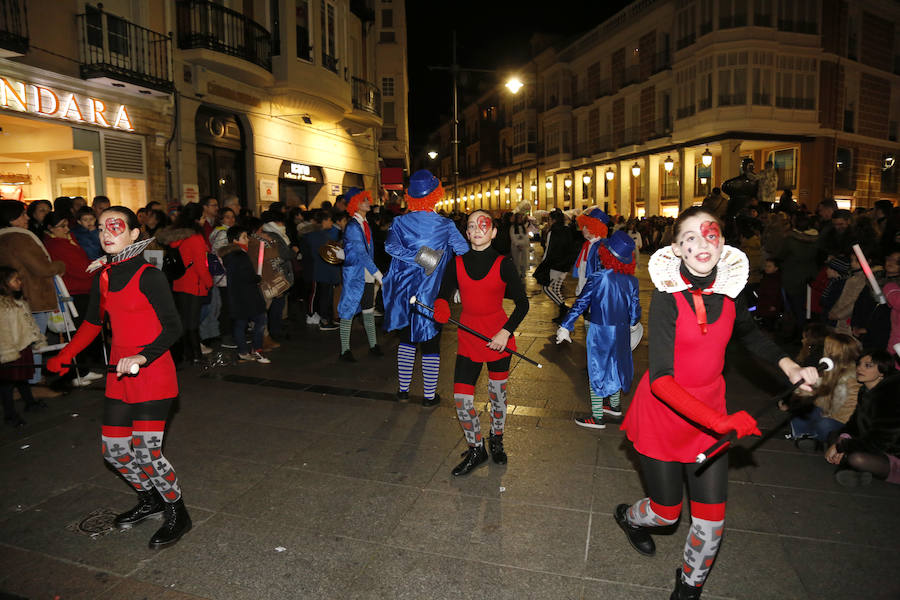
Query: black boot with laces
x=149, y=505
x=177, y=523
x=495, y=445
x=474, y=457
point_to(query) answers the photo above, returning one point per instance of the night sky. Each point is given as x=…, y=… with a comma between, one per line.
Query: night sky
x=490, y=34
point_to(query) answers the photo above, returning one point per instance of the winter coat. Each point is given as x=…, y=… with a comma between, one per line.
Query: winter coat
x=89, y=241
x=840, y=404
x=196, y=280
x=798, y=261
x=243, y=283
x=23, y=251
x=842, y=309
x=18, y=330
x=77, y=279
x=559, y=248
x=322, y=271
x=218, y=239
x=876, y=421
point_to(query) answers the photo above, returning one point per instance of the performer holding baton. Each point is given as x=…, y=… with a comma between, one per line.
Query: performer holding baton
x=483, y=277
x=680, y=402
x=144, y=323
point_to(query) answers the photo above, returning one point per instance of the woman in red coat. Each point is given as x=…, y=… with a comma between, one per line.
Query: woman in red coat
x=191, y=288
x=139, y=392
x=679, y=408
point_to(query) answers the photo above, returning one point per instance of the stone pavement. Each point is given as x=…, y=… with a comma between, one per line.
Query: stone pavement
x=305, y=479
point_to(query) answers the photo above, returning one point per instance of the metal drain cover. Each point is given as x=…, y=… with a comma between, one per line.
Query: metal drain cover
x=97, y=523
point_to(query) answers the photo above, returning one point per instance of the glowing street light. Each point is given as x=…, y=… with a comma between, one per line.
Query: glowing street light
x=432, y=154
x=706, y=158
x=506, y=190
x=668, y=164
x=514, y=85
x=567, y=182
x=636, y=169
x=586, y=178
x=549, y=184
x=533, y=188
x=610, y=174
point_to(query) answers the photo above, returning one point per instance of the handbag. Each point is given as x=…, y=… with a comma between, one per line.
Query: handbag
x=60, y=322
x=275, y=287
x=173, y=264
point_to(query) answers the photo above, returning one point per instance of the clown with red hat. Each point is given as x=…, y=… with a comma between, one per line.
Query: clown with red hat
x=420, y=232
x=359, y=273
x=610, y=296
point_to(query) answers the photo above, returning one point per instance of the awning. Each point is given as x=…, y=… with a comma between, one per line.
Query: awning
x=392, y=178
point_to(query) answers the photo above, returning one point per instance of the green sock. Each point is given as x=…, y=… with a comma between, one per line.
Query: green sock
x=614, y=400
x=369, y=324
x=345, y=334
x=596, y=405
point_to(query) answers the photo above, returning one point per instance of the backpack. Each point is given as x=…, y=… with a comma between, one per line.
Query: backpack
x=173, y=265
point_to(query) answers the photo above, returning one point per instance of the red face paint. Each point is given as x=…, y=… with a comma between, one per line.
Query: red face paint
x=710, y=232
x=484, y=223
x=115, y=226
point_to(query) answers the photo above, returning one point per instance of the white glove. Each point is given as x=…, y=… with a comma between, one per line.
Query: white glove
x=456, y=298
x=637, y=332
x=96, y=264
x=378, y=277
x=339, y=253
x=563, y=334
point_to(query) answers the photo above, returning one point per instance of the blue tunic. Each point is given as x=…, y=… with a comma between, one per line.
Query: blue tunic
x=405, y=278
x=359, y=257
x=614, y=307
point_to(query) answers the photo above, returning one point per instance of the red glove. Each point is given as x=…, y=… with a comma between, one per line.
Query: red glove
x=441, y=310
x=742, y=423
x=81, y=340
x=681, y=401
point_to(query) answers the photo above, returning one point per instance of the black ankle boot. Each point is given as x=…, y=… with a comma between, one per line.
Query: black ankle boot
x=149, y=505
x=178, y=523
x=684, y=591
x=637, y=536
x=495, y=445
x=472, y=458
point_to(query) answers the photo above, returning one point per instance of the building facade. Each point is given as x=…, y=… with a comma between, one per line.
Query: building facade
x=649, y=110
x=266, y=100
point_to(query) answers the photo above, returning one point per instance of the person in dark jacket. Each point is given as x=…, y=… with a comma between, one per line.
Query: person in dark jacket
x=86, y=233
x=869, y=444
x=559, y=258
x=246, y=300
x=326, y=275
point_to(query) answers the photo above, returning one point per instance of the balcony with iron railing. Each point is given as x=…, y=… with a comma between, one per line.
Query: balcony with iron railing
x=118, y=50
x=366, y=96
x=13, y=28
x=213, y=35
x=329, y=62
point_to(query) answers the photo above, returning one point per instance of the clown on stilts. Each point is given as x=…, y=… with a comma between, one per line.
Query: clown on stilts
x=140, y=390
x=679, y=407
x=420, y=232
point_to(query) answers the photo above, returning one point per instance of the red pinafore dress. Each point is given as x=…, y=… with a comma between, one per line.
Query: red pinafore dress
x=134, y=325
x=482, y=302
x=655, y=429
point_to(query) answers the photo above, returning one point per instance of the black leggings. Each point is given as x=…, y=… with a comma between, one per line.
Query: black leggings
x=117, y=413
x=432, y=346
x=467, y=370
x=665, y=481
x=189, y=309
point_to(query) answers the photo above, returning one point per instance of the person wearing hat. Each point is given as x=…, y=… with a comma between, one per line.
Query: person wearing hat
x=359, y=274
x=421, y=233
x=611, y=295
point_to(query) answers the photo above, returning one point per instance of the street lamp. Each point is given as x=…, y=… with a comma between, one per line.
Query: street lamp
x=533, y=187
x=432, y=154
x=586, y=178
x=488, y=193
x=549, y=184
x=668, y=164
x=567, y=182
x=506, y=190
x=636, y=169
x=706, y=157
x=610, y=174
x=478, y=195
x=519, y=189
x=514, y=85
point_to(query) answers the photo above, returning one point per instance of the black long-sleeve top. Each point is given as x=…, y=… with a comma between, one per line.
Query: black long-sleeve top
x=155, y=287
x=664, y=314
x=477, y=264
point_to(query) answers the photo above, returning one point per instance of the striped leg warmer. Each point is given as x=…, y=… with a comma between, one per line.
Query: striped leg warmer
x=431, y=366
x=368, y=317
x=345, y=334
x=406, y=360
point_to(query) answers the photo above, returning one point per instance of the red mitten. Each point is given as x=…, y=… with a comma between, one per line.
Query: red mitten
x=441, y=310
x=741, y=422
x=81, y=340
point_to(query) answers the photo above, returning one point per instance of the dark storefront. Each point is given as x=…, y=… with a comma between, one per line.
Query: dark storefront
x=220, y=155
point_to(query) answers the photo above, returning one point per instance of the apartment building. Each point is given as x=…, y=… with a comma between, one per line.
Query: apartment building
x=649, y=110
x=267, y=100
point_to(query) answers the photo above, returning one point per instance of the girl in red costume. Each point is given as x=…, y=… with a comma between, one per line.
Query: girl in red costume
x=679, y=409
x=139, y=393
x=483, y=277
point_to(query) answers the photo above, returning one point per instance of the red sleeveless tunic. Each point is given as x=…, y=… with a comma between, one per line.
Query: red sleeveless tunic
x=655, y=429
x=134, y=325
x=482, y=310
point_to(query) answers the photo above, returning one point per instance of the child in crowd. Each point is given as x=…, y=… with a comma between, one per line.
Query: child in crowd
x=770, y=304
x=611, y=295
x=86, y=233
x=18, y=332
x=246, y=299
x=325, y=275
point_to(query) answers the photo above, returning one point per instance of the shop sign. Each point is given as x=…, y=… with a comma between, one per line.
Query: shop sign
x=44, y=101
x=268, y=190
x=298, y=171
x=335, y=189
x=190, y=192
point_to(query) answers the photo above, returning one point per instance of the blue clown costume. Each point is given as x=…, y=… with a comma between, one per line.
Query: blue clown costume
x=359, y=274
x=597, y=223
x=409, y=233
x=610, y=295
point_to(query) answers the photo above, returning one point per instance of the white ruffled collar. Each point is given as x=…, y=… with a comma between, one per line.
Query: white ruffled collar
x=732, y=272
